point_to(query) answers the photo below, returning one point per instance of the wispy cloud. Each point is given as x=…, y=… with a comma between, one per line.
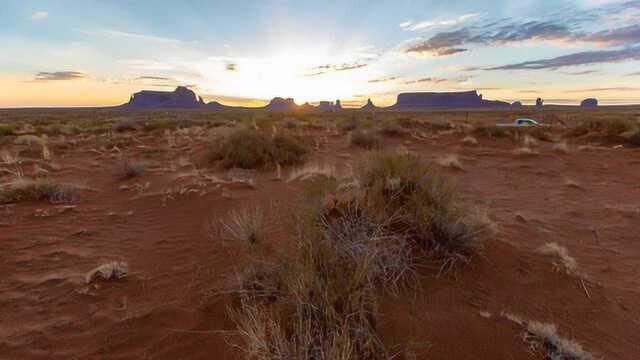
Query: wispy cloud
x=323, y=69
x=579, y=58
x=584, y=72
x=133, y=36
x=422, y=25
x=383, y=80
x=154, y=78
x=60, y=75
x=39, y=15
x=453, y=42
x=620, y=88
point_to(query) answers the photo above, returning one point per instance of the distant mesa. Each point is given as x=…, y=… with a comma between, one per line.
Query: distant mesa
x=329, y=106
x=589, y=103
x=325, y=106
x=426, y=100
x=184, y=98
x=281, y=104
x=181, y=97
x=516, y=105
x=369, y=105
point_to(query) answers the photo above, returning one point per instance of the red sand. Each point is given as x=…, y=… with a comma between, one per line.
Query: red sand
x=170, y=306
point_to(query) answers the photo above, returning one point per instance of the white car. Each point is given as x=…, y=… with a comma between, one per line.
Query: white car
x=522, y=122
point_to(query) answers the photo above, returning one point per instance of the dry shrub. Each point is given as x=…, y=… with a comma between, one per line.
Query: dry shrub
x=491, y=131
x=253, y=149
x=634, y=139
x=7, y=129
x=544, y=340
x=561, y=257
x=124, y=124
x=561, y=147
x=470, y=140
x=365, y=140
x=353, y=240
x=413, y=198
x=392, y=129
x=130, y=168
x=525, y=151
x=39, y=189
x=609, y=128
x=450, y=161
x=348, y=125
x=245, y=226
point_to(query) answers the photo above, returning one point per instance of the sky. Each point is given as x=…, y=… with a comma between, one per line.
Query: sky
x=94, y=53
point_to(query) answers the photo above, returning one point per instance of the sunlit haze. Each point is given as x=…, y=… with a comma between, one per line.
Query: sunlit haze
x=70, y=53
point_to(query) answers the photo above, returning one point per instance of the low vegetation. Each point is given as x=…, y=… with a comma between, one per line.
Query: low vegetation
x=36, y=189
x=253, y=149
x=365, y=140
x=354, y=240
x=130, y=168
x=7, y=129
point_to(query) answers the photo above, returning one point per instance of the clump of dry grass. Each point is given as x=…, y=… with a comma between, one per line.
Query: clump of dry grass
x=450, y=161
x=253, y=149
x=7, y=129
x=491, y=131
x=526, y=151
x=124, y=124
x=244, y=226
x=561, y=147
x=634, y=138
x=544, y=340
x=411, y=195
x=470, y=140
x=561, y=257
x=109, y=271
x=352, y=241
x=23, y=189
x=365, y=140
x=311, y=171
x=613, y=127
x=392, y=129
x=130, y=168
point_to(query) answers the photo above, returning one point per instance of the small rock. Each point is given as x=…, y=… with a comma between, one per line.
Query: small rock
x=109, y=271
x=521, y=218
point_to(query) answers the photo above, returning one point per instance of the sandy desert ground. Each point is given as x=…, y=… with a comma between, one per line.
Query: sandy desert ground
x=574, y=186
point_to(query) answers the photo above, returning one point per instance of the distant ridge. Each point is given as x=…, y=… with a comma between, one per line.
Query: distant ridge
x=184, y=98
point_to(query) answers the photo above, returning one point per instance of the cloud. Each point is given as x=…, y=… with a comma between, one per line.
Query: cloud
x=383, y=80
x=615, y=37
x=60, y=75
x=584, y=72
x=39, y=15
x=579, y=58
x=434, y=80
x=498, y=33
x=411, y=26
x=133, y=36
x=231, y=67
x=323, y=69
x=154, y=78
x=621, y=88
x=441, y=44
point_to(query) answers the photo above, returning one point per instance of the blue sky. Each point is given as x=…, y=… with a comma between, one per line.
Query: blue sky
x=61, y=53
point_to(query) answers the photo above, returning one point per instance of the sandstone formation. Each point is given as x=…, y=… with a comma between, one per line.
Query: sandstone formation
x=281, y=104
x=539, y=103
x=516, y=105
x=427, y=100
x=181, y=97
x=369, y=105
x=589, y=103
